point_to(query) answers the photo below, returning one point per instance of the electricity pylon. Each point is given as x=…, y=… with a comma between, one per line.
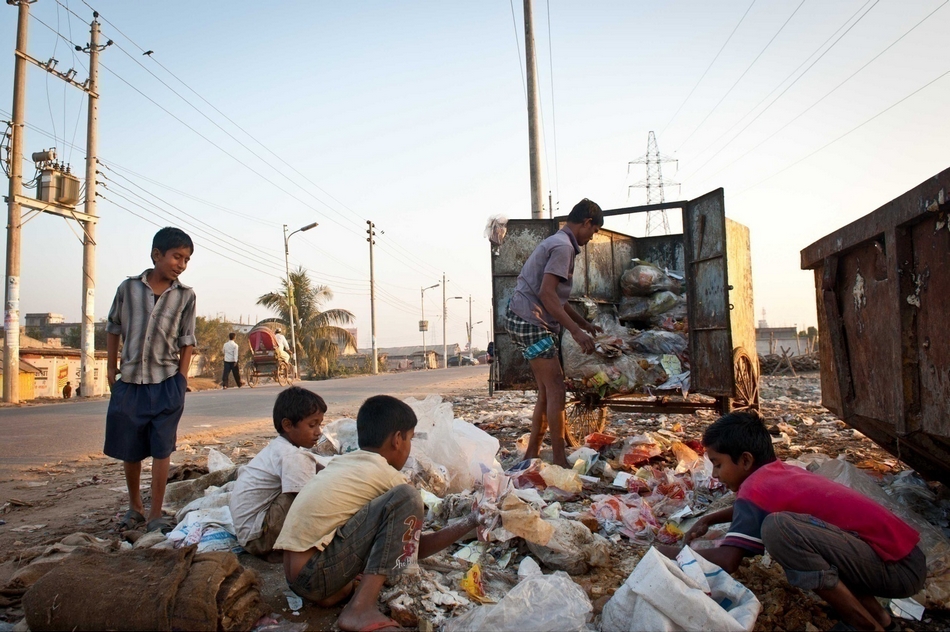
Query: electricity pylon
x=654, y=184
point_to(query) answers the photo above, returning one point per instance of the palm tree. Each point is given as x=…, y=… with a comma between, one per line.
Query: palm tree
x=319, y=335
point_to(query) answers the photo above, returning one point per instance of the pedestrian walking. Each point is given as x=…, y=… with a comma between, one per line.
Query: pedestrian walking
x=231, y=352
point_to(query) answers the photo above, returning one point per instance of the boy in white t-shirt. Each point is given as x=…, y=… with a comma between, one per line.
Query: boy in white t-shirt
x=267, y=486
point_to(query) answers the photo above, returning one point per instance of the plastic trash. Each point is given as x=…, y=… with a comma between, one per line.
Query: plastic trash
x=542, y=603
x=661, y=597
x=496, y=229
x=528, y=568
x=634, y=309
x=599, y=440
x=659, y=341
x=294, y=602
x=562, y=478
x=473, y=585
x=342, y=434
x=644, y=279
x=210, y=529
x=638, y=451
x=572, y=548
x=218, y=461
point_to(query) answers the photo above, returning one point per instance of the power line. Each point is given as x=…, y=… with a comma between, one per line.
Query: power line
x=729, y=91
x=514, y=23
x=827, y=94
x=804, y=72
x=854, y=129
x=726, y=43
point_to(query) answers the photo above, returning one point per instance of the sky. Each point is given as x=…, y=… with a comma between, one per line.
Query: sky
x=412, y=114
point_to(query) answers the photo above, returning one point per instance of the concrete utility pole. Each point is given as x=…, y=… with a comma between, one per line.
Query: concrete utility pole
x=372, y=293
x=471, y=353
x=445, y=347
x=424, y=326
x=11, y=314
x=534, y=114
x=87, y=335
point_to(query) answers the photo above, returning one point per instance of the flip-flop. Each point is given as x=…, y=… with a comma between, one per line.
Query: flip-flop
x=163, y=524
x=380, y=625
x=131, y=521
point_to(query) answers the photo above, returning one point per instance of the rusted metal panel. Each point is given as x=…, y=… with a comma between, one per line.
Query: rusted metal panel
x=707, y=288
x=598, y=268
x=665, y=251
x=883, y=285
x=742, y=308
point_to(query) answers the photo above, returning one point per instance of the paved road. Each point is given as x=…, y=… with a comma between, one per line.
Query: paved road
x=46, y=434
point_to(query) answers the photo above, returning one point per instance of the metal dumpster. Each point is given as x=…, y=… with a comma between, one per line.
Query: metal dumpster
x=883, y=296
x=714, y=253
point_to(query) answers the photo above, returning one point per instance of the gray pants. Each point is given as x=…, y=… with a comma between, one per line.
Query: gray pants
x=382, y=538
x=816, y=555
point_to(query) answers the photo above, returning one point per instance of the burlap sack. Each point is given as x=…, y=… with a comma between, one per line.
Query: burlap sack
x=196, y=605
x=89, y=590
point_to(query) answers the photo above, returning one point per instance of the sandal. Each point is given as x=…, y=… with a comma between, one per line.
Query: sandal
x=131, y=521
x=163, y=525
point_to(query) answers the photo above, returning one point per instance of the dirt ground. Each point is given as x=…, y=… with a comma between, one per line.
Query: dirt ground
x=41, y=505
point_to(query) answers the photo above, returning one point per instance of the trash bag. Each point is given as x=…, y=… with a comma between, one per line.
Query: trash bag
x=496, y=229
x=673, y=318
x=645, y=279
x=542, y=603
x=690, y=594
x=663, y=302
x=659, y=342
x=342, y=434
x=562, y=478
x=572, y=548
x=634, y=308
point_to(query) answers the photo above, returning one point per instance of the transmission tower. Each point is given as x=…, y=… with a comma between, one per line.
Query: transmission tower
x=654, y=184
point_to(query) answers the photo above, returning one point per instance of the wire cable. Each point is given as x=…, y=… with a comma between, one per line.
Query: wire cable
x=787, y=88
x=514, y=23
x=852, y=130
x=827, y=94
x=705, y=72
x=729, y=91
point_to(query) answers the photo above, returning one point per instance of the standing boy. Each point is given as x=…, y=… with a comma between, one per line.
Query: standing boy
x=359, y=516
x=231, y=351
x=828, y=537
x=153, y=315
x=538, y=311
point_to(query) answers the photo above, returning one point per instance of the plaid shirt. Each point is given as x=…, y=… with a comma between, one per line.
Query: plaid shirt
x=153, y=331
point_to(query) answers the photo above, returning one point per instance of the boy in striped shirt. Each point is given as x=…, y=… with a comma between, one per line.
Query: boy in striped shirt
x=153, y=316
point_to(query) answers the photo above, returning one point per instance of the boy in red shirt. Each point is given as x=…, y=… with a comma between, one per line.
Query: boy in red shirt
x=828, y=537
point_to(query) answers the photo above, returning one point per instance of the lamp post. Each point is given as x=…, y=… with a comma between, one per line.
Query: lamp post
x=445, y=315
x=290, y=290
x=424, y=325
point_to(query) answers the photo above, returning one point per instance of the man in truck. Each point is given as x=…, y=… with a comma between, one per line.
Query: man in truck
x=538, y=312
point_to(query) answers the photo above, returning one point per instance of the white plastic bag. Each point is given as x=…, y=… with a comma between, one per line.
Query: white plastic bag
x=660, y=596
x=342, y=434
x=218, y=461
x=210, y=529
x=541, y=603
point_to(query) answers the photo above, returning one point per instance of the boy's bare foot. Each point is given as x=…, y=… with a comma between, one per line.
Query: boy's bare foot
x=365, y=621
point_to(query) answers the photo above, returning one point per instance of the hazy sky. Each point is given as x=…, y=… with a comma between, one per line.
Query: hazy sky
x=412, y=114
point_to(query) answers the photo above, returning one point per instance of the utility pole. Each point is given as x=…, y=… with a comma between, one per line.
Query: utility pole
x=291, y=305
x=424, y=326
x=470, y=353
x=534, y=114
x=11, y=314
x=372, y=293
x=445, y=346
x=87, y=335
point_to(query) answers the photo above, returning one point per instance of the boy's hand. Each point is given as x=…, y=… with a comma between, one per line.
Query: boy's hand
x=110, y=376
x=593, y=329
x=667, y=550
x=584, y=341
x=697, y=530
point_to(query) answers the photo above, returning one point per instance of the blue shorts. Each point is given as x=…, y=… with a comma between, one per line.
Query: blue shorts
x=143, y=419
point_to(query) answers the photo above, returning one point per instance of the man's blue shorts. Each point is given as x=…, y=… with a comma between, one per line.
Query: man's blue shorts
x=143, y=419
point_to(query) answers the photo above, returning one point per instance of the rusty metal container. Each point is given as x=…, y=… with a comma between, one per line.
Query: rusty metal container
x=713, y=252
x=883, y=297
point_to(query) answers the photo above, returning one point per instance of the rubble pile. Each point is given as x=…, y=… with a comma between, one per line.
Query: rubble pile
x=774, y=362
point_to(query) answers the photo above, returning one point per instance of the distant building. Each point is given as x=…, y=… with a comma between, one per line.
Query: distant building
x=771, y=340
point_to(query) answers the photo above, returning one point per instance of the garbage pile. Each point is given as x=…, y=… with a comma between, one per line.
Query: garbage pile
x=644, y=347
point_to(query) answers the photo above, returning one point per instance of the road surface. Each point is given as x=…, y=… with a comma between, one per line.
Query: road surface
x=36, y=435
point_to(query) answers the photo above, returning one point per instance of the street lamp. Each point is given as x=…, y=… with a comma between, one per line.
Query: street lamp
x=445, y=315
x=424, y=325
x=290, y=290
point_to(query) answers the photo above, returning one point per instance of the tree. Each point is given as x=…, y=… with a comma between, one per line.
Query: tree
x=320, y=337
x=211, y=334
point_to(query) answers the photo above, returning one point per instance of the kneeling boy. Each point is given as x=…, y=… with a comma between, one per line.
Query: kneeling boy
x=360, y=516
x=828, y=537
x=267, y=486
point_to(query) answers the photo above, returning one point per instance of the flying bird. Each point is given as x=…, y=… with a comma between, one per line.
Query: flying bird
x=148, y=52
